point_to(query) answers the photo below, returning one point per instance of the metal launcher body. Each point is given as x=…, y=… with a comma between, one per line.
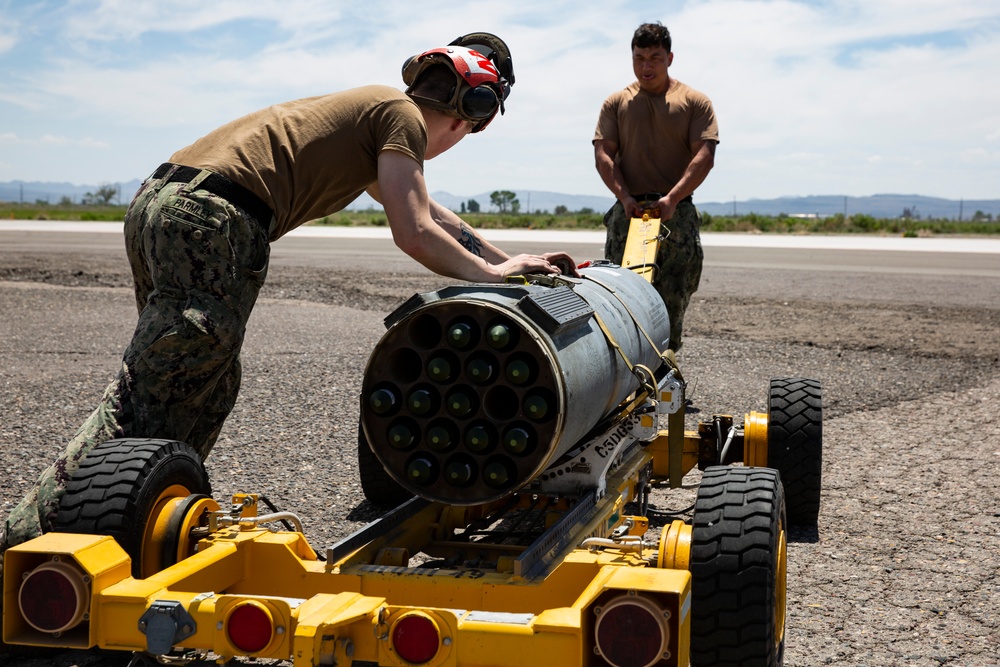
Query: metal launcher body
x=524, y=417
x=477, y=391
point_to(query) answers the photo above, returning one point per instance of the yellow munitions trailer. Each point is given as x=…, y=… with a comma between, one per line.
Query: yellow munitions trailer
x=520, y=430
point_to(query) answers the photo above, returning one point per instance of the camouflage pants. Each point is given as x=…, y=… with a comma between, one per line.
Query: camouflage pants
x=198, y=263
x=678, y=260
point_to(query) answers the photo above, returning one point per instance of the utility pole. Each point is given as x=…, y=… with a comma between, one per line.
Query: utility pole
x=961, y=203
x=734, y=206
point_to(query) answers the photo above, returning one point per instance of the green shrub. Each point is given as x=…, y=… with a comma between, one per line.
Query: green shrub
x=864, y=222
x=584, y=219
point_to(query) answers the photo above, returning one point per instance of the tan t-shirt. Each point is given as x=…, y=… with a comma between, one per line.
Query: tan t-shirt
x=655, y=133
x=312, y=157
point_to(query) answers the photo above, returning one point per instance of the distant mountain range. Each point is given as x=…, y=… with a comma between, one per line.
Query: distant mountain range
x=879, y=206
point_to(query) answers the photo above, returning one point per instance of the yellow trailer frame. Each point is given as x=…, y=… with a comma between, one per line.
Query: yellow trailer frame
x=349, y=604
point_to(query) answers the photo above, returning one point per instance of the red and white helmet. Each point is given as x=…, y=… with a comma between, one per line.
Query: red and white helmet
x=484, y=75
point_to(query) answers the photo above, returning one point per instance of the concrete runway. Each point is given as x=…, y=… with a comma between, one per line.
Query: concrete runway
x=342, y=245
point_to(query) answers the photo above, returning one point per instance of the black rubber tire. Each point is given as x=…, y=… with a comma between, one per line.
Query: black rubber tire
x=795, y=445
x=117, y=485
x=379, y=488
x=738, y=568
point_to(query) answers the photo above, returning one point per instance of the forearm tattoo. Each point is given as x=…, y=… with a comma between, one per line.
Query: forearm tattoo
x=470, y=241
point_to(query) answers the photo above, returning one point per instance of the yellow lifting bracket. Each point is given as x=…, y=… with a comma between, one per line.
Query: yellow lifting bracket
x=642, y=244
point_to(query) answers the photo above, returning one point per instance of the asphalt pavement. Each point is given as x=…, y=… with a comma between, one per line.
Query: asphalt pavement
x=905, y=566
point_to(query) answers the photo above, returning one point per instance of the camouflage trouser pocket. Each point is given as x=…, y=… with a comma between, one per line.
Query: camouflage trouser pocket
x=190, y=211
x=196, y=224
x=197, y=240
x=250, y=240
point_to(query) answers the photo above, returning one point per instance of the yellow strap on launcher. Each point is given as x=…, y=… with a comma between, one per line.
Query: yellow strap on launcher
x=644, y=236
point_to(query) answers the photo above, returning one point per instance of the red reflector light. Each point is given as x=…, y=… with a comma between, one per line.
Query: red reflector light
x=53, y=597
x=250, y=627
x=415, y=638
x=632, y=632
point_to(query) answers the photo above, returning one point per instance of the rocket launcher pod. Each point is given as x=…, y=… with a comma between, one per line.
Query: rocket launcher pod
x=475, y=390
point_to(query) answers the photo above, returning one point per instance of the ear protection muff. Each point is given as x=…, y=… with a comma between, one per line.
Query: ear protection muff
x=493, y=48
x=484, y=74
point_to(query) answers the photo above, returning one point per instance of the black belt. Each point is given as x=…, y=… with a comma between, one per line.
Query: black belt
x=655, y=196
x=223, y=187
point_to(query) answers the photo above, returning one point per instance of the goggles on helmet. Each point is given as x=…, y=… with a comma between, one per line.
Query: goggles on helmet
x=483, y=77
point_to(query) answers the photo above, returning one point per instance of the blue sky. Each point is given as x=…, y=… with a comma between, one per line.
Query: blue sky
x=853, y=97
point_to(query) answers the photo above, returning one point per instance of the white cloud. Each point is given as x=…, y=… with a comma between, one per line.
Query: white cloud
x=50, y=140
x=980, y=156
x=10, y=138
x=838, y=96
x=115, y=20
x=9, y=28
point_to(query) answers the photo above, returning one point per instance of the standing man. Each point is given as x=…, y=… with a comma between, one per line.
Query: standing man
x=198, y=236
x=655, y=143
